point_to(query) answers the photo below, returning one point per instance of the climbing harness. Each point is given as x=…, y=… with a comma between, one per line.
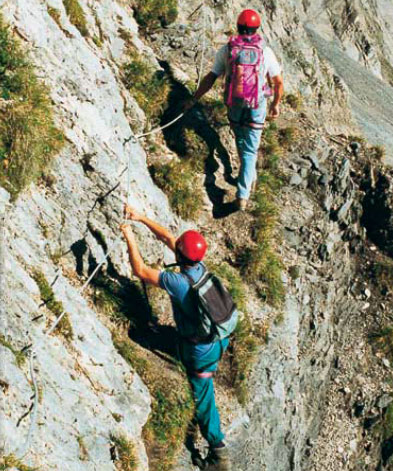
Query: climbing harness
x=204, y=374
x=33, y=349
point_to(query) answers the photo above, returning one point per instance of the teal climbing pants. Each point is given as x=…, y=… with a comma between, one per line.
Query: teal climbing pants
x=204, y=358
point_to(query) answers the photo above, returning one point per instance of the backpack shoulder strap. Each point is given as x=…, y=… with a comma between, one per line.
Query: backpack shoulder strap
x=202, y=280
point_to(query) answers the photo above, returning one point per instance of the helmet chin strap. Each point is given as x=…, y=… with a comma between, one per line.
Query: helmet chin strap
x=181, y=261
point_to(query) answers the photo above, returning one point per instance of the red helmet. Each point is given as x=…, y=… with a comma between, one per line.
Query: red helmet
x=192, y=245
x=249, y=18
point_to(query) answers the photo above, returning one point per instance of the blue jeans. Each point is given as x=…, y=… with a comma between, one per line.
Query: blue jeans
x=247, y=142
x=206, y=412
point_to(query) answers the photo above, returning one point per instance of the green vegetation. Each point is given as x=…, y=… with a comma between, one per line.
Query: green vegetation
x=359, y=139
x=379, y=153
x=56, y=307
x=108, y=297
x=388, y=422
x=55, y=14
x=76, y=15
x=20, y=357
x=97, y=41
x=28, y=136
x=11, y=462
x=386, y=69
x=130, y=353
x=275, y=142
x=177, y=180
x=117, y=417
x=151, y=14
x=245, y=349
x=126, y=459
x=172, y=406
x=294, y=101
x=294, y=272
x=271, y=149
x=383, y=341
x=40, y=394
x=260, y=263
x=148, y=86
x=286, y=136
x=195, y=150
x=383, y=273
x=83, y=453
x=216, y=110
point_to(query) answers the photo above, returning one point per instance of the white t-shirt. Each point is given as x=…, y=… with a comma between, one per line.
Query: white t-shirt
x=272, y=65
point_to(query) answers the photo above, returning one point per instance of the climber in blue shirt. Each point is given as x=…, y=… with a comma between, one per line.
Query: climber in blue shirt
x=199, y=355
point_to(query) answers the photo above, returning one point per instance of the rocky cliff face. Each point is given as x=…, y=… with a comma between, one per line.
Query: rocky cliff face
x=317, y=380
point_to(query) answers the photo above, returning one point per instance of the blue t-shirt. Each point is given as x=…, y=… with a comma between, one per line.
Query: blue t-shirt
x=177, y=285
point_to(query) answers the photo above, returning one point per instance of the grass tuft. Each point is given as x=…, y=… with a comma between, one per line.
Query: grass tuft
x=294, y=101
x=270, y=142
x=126, y=458
x=147, y=85
x=172, y=407
x=28, y=135
x=383, y=273
x=151, y=14
x=83, y=453
x=388, y=422
x=55, y=14
x=109, y=298
x=97, y=41
x=286, y=136
x=379, y=153
x=177, y=181
x=216, y=110
x=261, y=264
x=20, y=356
x=383, y=341
x=117, y=417
x=76, y=15
x=195, y=150
x=245, y=348
x=11, y=462
x=56, y=307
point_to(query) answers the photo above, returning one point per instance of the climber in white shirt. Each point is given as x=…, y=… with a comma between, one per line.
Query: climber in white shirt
x=248, y=65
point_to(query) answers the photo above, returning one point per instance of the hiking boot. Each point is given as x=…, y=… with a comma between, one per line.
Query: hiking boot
x=218, y=460
x=241, y=204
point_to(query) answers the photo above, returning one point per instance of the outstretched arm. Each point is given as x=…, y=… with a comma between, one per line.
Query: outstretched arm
x=140, y=270
x=206, y=84
x=160, y=232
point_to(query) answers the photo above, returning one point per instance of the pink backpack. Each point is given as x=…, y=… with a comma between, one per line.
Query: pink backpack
x=245, y=60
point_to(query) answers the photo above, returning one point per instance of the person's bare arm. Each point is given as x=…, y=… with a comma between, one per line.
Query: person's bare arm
x=139, y=268
x=160, y=232
x=206, y=84
x=278, y=88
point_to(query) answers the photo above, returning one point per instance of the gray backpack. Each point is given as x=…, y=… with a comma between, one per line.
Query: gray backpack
x=217, y=313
